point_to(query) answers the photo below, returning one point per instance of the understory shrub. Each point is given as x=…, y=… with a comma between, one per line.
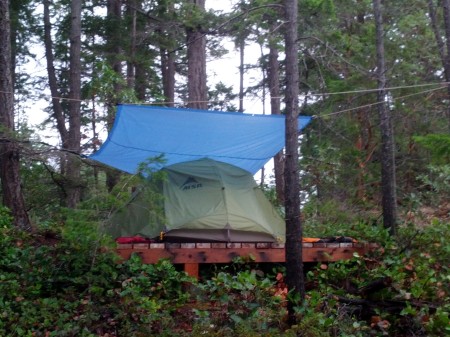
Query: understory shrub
x=66, y=280
x=53, y=283
x=401, y=289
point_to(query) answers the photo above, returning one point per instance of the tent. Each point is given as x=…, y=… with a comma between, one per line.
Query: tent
x=204, y=201
x=210, y=159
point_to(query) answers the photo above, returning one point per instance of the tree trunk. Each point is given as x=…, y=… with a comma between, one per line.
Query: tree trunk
x=9, y=151
x=137, y=74
x=294, y=263
x=444, y=48
x=446, y=12
x=57, y=108
x=388, y=179
x=71, y=137
x=131, y=63
x=274, y=89
x=74, y=141
x=241, y=74
x=114, y=14
x=168, y=76
x=196, y=54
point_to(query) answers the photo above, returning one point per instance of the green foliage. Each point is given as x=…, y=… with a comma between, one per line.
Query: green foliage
x=6, y=220
x=58, y=282
x=65, y=281
x=438, y=145
x=334, y=218
x=42, y=195
x=99, y=205
x=104, y=85
x=248, y=299
x=436, y=183
x=417, y=268
x=220, y=98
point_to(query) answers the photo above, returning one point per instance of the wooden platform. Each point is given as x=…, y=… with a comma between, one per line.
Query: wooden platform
x=193, y=254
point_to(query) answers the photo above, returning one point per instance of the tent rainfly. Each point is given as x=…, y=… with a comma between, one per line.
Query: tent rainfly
x=142, y=132
x=210, y=158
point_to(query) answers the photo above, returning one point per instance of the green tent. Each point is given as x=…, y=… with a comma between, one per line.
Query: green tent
x=204, y=201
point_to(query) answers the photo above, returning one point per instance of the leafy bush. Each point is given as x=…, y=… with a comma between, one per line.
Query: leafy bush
x=6, y=219
x=438, y=145
x=412, y=293
x=58, y=283
x=67, y=281
x=243, y=299
x=436, y=183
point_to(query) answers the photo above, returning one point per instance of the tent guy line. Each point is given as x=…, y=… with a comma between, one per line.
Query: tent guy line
x=375, y=103
x=377, y=89
x=442, y=84
x=86, y=156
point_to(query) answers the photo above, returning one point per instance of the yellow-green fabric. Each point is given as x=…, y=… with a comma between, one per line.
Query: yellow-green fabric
x=207, y=200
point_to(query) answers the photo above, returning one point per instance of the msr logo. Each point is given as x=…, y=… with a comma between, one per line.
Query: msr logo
x=190, y=184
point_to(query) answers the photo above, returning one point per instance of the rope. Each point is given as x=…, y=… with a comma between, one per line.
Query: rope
x=376, y=103
x=442, y=84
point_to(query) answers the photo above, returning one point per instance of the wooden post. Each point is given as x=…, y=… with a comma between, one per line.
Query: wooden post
x=191, y=269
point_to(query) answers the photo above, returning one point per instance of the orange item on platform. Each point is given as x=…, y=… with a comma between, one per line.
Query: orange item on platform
x=311, y=240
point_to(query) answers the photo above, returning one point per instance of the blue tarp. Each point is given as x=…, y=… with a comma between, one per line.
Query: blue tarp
x=141, y=132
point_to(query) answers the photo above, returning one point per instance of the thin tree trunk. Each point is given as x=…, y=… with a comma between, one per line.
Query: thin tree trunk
x=131, y=11
x=9, y=151
x=137, y=74
x=196, y=54
x=57, y=108
x=71, y=136
x=241, y=74
x=294, y=232
x=167, y=54
x=446, y=12
x=74, y=141
x=114, y=14
x=388, y=179
x=443, y=53
x=274, y=89
x=264, y=81
x=95, y=138
x=168, y=76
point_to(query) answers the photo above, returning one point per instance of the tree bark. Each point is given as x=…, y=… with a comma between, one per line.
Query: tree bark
x=196, y=54
x=294, y=263
x=274, y=90
x=131, y=63
x=58, y=111
x=74, y=136
x=167, y=51
x=71, y=135
x=444, y=48
x=114, y=15
x=388, y=179
x=446, y=13
x=9, y=151
x=241, y=74
x=168, y=76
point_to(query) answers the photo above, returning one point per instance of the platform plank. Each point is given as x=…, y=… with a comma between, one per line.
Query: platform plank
x=190, y=255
